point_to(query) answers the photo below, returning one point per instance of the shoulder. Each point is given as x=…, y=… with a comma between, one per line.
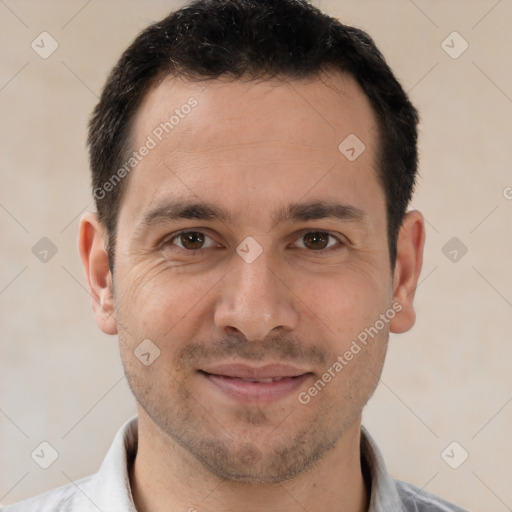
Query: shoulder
x=419, y=500
x=67, y=498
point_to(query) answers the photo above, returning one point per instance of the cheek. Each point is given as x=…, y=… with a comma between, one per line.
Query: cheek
x=340, y=393
x=347, y=300
x=156, y=300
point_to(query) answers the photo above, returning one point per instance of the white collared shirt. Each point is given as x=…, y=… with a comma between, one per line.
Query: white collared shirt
x=109, y=489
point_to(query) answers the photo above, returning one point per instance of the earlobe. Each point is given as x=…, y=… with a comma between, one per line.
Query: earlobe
x=91, y=245
x=411, y=242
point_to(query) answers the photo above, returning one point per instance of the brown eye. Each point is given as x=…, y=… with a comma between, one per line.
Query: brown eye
x=191, y=240
x=316, y=240
x=321, y=242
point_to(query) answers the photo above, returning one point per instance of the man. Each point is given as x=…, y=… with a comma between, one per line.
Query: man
x=252, y=163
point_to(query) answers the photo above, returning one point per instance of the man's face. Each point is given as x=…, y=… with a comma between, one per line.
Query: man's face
x=284, y=262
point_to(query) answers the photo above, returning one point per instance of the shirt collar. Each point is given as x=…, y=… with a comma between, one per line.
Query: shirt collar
x=384, y=494
x=111, y=484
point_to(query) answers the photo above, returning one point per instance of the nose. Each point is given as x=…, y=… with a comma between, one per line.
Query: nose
x=255, y=300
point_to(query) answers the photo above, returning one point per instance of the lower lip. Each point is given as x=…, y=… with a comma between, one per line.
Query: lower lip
x=256, y=391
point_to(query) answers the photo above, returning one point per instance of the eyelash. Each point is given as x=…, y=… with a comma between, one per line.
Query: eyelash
x=340, y=243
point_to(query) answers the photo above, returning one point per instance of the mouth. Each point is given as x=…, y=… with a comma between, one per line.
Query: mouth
x=255, y=384
x=270, y=379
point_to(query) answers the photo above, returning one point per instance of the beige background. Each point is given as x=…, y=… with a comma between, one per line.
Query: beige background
x=447, y=380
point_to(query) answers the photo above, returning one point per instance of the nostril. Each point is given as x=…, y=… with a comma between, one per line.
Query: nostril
x=232, y=331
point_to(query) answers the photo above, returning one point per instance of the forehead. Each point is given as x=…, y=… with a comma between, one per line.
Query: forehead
x=327, y=102
x=271, y=138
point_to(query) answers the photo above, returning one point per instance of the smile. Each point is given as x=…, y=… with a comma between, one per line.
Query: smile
x=249, y=384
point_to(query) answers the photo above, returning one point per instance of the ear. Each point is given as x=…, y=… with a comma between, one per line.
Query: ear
x=411, y=241
x=91, y=244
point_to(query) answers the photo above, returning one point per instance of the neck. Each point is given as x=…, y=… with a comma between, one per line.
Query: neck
x=164, y=473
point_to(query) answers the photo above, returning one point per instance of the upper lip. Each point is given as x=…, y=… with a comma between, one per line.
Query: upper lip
x=244, y=371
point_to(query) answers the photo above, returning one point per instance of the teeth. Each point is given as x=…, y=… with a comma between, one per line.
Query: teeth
x=271, y=379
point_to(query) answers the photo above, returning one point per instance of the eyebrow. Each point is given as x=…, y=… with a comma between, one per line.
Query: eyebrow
x=294, y=212
x=317, y=210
